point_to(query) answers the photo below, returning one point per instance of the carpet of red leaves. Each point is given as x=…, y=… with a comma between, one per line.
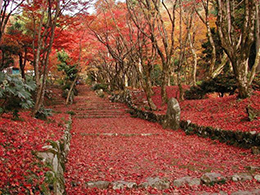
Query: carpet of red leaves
x=227, y=113
x=20, y=171
x=128, y=149
x=131, y=149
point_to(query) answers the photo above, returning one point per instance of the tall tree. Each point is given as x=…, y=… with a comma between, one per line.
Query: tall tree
x=42, y=20
x=110, y=28
x=236, y=25
x=203, y=7
x=8, y=7
x=162, y=38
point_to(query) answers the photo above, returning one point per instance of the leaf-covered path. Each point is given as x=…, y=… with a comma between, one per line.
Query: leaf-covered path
x=109, y=145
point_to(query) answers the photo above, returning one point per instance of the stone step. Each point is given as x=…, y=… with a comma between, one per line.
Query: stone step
x=101, y=116
x=101, y=108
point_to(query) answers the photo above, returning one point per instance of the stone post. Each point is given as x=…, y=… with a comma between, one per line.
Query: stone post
x=172, y=118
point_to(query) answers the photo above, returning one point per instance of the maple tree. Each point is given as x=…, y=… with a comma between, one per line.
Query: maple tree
x=236, y=26
x=161, y=38
x=115, y=35
x=8, y=7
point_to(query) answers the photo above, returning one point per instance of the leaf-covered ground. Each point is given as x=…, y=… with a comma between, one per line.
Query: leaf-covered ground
x=20, y=171
x=227, y=113
x=108, y=145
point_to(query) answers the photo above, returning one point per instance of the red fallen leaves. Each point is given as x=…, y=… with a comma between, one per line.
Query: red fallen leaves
x=132, y=150
x=227, y=113
x=20, y=171
x=169, y=155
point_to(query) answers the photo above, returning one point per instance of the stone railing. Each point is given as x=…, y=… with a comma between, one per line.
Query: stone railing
x=54, y=156
x=236, y=138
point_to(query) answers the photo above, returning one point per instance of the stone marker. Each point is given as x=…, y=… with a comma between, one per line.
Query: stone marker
x=172, y=120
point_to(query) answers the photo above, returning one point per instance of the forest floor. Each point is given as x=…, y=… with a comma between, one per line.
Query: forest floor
x=109, y=145
x=111, y=150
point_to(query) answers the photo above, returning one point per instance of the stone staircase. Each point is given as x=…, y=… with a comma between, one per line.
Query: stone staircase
x=96, y=107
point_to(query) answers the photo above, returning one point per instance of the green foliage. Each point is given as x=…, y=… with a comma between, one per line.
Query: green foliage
x=220, y=84
x=66, y=88
x=256, y=82
x=43, y=113
x=7, y=57
x=71, y=112
x=15, y=93
x=70, y=72
x=98, y=86
x=156, y=75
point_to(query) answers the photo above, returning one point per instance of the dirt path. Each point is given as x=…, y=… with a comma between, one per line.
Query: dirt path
x=108, y=145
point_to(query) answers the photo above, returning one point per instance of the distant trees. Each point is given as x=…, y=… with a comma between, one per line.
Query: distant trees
x=169, y=35
x=123, y=44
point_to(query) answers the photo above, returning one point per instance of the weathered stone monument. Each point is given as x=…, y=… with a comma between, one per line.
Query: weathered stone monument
x=172, y=118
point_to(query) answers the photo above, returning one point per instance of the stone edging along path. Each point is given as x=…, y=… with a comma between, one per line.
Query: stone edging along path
x=55, y=155
x=236, y=138
x=162, y=184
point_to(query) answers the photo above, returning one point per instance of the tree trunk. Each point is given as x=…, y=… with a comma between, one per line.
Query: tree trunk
x=41, y=79
x=71, y=90
x=213, y=53
x=220, y=67
x=194, y=70
x=21, y=64
x=254, y=68
x=181, y=95
x=240, y=67
x=163, y=86
x=148, y=89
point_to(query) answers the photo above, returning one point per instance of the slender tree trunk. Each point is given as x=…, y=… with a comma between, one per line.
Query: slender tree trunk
x=213, y=53
x=21, y=66
x=71, y=90
x=195, y=62
x=181, y=92
x=254, y=68
x=221, y=66
x=148, y=88
x=45, y=62
x=165, y=72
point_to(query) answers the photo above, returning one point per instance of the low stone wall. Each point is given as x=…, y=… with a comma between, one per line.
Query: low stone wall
x=236, y=138
x=54, y=156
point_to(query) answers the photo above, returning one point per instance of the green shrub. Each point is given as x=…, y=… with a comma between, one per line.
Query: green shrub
x=98, y=86
x=156, y=74
x=15, y=93
x=43, y=113
x=221, y=84
x=256, y=82
x=71, y=112
x=70, y=72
